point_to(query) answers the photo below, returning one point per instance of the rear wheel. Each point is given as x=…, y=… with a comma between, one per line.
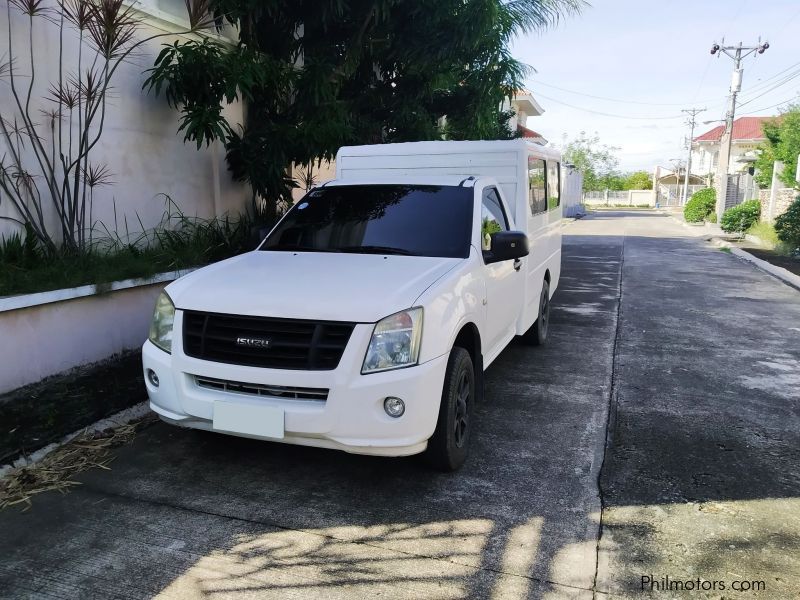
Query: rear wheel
x=447, y=448
x=537, y=334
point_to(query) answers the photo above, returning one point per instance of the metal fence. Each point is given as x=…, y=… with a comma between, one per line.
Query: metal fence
x=671, y=194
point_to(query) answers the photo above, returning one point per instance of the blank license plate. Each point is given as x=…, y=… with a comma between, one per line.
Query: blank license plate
x=250, y=419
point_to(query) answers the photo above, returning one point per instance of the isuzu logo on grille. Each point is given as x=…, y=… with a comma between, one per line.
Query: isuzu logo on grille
x=252, y=342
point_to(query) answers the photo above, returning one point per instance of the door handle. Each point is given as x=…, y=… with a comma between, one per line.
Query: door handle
x=517, y=264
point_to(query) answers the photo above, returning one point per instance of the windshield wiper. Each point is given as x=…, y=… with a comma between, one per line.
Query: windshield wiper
x=376, y=250
x=298, y=248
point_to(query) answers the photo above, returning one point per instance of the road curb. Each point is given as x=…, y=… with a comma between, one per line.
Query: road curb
x=784, y=275
x=123, y=417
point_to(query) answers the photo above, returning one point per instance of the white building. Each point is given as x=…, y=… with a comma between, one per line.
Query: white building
x=146, y=157
x=748, y=134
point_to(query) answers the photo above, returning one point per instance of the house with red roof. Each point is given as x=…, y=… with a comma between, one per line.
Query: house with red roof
x=748, y=134
x=524, y=106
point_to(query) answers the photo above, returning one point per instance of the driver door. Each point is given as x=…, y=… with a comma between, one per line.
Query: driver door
x=504, y=280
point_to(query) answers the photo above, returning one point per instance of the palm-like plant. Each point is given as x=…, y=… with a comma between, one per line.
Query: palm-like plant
x=46, y=165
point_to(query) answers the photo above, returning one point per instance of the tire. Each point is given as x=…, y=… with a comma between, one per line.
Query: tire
x=537, y=334
x=447, y=448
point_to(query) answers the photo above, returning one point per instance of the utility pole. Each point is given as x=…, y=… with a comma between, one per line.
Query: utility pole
x=737, y=53
x=692, y=112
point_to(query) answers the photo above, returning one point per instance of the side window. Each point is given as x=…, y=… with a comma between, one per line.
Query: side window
x=553, y=184
x=493, y=217
x=536, y=185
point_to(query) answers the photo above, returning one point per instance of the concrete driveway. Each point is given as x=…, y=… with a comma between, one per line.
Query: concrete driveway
x=695, y=352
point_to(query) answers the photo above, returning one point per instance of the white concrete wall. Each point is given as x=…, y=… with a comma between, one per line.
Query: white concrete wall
x=623, y=198
x=140, y=144
x=43, y=340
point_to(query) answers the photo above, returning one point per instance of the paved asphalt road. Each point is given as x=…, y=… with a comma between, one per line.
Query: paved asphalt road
x=695, y=352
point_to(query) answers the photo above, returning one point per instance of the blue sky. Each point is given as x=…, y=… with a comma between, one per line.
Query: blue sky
x=652, y=59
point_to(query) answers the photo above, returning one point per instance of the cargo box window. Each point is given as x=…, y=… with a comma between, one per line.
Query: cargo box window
x=553, y=184
x=537, y=196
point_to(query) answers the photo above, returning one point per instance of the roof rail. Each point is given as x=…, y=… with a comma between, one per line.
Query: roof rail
x=465, y=180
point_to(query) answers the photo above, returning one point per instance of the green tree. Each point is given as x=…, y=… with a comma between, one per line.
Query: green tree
x=783, y=143
x=595, y=160
x=316, y=75
x=639, y=180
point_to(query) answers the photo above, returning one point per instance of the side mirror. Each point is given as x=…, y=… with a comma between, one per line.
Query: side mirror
x=506, y=245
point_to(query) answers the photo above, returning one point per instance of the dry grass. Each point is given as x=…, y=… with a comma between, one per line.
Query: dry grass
x=56, y=470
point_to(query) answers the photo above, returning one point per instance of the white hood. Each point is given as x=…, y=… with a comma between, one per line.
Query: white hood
x=360, y=288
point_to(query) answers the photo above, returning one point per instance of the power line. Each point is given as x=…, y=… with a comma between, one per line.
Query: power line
x=782, y=82
x=597, y=112
x=555, y=87
x=795, y=97
x=768, y=81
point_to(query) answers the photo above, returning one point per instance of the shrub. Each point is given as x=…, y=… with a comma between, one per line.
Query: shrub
x=741, y=217
x=700, y=205
x=787, y=225
x=711, y=217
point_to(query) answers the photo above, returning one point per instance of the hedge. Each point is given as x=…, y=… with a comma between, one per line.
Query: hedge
x=700, y=205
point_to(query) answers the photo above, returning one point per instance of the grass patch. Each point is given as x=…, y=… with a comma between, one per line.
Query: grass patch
x=725, y=249
x=767, y=234
x=179, y=242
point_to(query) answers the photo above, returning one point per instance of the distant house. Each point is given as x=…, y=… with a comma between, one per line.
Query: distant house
x=524, y=106
x=748, y=134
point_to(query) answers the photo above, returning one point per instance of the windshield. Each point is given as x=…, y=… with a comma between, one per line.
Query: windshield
x=413, y=220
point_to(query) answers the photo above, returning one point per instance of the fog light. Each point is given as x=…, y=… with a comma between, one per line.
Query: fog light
x=394, y=407
x=153, y=378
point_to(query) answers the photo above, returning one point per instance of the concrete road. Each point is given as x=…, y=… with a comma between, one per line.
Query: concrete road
x=696, y=353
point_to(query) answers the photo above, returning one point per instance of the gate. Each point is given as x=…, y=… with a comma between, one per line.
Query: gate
x=741, y=187
x=669, y=194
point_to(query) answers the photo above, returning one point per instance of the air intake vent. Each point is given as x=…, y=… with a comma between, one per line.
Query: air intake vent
x=257, y=389
x=265, y=342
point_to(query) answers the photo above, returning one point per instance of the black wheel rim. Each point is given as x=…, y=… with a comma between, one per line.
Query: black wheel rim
x=461, y=425
x=544, y=310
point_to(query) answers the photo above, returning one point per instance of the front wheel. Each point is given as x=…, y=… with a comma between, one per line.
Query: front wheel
x=537, y=334
x=447, y=448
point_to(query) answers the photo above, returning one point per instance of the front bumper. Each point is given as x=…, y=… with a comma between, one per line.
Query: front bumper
x=351, y=419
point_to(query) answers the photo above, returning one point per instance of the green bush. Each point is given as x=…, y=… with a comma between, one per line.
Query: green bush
x=700, y=205
x=741, y=217
x=177, y=243
x=711, y=217
x=787, y=225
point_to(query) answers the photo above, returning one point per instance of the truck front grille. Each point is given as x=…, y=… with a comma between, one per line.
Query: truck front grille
x=257, y=389
x=264, y=341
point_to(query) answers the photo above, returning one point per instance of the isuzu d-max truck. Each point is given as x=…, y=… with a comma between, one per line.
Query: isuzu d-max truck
x=365, y=319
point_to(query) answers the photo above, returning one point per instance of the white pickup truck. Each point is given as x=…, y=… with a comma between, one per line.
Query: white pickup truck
x=365, y=319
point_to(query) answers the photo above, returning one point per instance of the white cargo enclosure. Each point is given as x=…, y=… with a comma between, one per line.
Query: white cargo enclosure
x=365, y=319
x=529, y=176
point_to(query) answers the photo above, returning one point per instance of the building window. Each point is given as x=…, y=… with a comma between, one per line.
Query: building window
x=537, y=190
x=174, y=8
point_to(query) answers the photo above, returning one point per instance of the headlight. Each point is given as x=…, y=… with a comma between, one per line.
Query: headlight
x=161, y=327
x=395, y=342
